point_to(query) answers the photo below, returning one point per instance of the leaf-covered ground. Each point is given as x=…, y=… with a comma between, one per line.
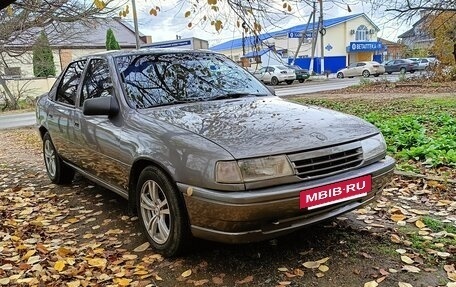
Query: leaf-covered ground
x=82, y=235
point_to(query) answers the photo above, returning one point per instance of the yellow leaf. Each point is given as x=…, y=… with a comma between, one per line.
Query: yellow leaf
x=371, y=284
x=59, y=265
x=289, y=8
x=323, y=261
x=142, y=247
x=403, y=284
x=75, y=283
x=187, y=273
x=283, y=269
x=311, y=264
x=420, y=224
x=153, y=12
x=187, y=14
x=407, y=259
x=97, y=262
x=9, y=10
x=323, y=268
x=284, y=283
x=28, y=254
x=218, y=25
x=122, y=281
x=189, y=25
x=397, y=217
x=395, y=238
x=319, y=274
x=285, y=5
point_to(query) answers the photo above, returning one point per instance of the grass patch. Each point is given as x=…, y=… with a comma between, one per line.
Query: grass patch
x=437, y=226
x=416, y=130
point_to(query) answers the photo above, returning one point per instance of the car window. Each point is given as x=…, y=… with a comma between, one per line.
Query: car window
x=66, y=91
x=97, y=81
x=352, y=65
x=361, y=64
x=262, y=70
x=271, y=69
x=151, y=80
x=424, y=61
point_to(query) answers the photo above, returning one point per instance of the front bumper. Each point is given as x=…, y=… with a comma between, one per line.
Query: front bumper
x=241, y=217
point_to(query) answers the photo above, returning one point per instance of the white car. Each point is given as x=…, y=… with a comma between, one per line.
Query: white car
x=364, y=69
x=275, y=74
x=425, y=63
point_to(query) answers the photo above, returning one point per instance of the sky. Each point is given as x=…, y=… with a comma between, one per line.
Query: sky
x=170, y=22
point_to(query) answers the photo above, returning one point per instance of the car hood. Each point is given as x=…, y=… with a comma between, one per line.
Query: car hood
x=250, y=127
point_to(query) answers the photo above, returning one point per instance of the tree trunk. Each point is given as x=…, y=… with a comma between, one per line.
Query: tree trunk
x=11, y=101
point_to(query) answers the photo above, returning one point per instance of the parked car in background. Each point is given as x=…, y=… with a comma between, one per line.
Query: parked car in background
x=200, y=147
x=301, y=74
x=275, y=74
x=364, y=69
x=424, y=63
x=401, y=65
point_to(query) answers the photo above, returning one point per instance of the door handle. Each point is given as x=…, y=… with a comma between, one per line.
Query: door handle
x=76, y=124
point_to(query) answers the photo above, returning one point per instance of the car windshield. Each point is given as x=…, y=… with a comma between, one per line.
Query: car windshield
x=152, y=80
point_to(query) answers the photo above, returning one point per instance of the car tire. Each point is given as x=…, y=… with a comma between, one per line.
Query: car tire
x=289, y=82
x=274, y=81
x=57, y=171
x=389, y=73
x=402, y=70
x=161, y=211
x=301, y=81
x=376, y=75
x=366, y=74
x=412, y=71
x=340, y=75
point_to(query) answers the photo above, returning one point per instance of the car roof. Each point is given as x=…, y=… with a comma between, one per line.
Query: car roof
x=146, y=51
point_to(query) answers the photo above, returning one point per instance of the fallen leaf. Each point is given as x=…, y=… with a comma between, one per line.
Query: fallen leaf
x=141, y=248
x=323, y=268
x=97, y=262
x=395, y=238
x=371, y=284
x=311, y=264
x=122, y=281
x=420, y=224
x=298, y=272
x=4, y=281
x=28, y=254
x=449, y=268
x=75, y=283
x=410, y=268
x=407, y=259
x=381, y=279
x=247, y=279
x=217, y=280
x=187, y=273
x=398, y=217
x=284, y=283
x=283, y=269
x=200, y=282
x=443, y=254
x=59, y=265
x=451, y=284
x=401, y=251
x=403, y=284
x=320, y=274
x=323, y=261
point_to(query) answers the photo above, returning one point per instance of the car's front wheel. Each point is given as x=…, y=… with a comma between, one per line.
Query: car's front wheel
x=340, y=75
x=289, y=82
x=274, y=81
x=57, y=171
x=301, y=81
x=366, y=74
x=402, y=70
x=161, y=211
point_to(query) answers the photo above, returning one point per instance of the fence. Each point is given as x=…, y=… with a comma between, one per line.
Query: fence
x=31, y=87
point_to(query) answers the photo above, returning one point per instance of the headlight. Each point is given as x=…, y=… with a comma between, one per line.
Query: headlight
x=255, y=169
x=374, y=148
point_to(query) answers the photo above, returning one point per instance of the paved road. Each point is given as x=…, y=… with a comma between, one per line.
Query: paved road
x=17, y=120
x=324, y=85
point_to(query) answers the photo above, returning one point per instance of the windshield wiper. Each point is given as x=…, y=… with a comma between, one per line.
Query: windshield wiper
x=235, y=96
x=171, y=103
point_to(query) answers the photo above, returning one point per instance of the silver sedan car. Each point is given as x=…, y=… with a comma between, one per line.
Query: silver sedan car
x=200, y=147
x=364, y=69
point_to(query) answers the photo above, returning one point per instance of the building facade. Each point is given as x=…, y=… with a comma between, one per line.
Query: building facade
x=345, y=40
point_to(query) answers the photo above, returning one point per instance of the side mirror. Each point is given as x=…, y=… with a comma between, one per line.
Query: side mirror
x=102, y=106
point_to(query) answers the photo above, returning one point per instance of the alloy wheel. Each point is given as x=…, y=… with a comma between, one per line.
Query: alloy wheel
x=155, y=211
x=50, y=158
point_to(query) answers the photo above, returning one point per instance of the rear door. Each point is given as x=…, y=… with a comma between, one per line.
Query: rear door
x=61, y=111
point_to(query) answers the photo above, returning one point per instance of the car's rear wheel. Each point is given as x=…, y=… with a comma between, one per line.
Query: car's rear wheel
x=389, y=73
x=376, y=75
x=57, y=171
x=366, y=74
x=289, y=82
x=162, y=212
x=301, y=80
x=340, y=75
x=274, y=81
x=402, y=70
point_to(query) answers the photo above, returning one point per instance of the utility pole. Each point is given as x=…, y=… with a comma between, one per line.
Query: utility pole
x=303, y=36
x=315, y=30
x=135, y=21
x=322, y=33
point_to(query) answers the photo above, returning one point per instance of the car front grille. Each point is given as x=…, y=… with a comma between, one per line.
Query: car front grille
x=328, y=161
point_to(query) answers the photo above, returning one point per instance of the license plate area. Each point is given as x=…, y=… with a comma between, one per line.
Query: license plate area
x=335, y=192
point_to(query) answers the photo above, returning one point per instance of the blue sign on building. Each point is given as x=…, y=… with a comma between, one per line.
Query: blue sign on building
x=364, y=46
x=169, y=45
x=299, y=35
